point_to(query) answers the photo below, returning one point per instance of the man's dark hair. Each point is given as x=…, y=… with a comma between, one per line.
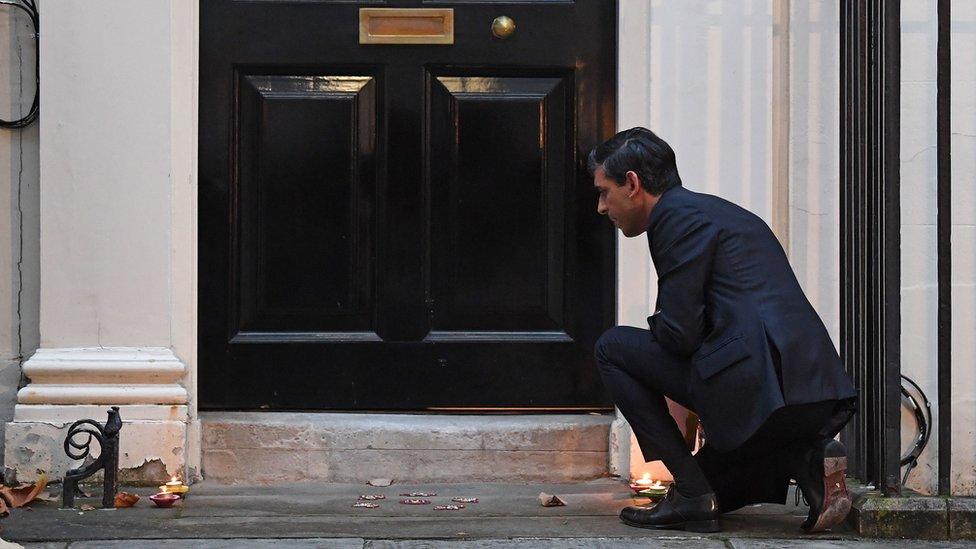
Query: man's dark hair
x=641, y=151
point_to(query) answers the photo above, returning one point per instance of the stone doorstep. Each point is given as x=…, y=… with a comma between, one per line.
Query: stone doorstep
x=244, y=447
x=914, y=517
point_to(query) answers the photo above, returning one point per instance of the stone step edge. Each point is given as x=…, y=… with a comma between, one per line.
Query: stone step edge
x=405, y=432
x=914, y=517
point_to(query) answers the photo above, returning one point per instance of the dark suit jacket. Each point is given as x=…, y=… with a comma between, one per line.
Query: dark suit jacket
x=728, y=301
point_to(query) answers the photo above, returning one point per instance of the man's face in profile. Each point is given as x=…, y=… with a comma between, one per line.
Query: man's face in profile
x=621, y=203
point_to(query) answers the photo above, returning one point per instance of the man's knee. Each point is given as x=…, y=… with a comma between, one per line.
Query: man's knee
x=605, y=346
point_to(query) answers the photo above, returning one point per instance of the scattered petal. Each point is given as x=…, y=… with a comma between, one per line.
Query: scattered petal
x=549, y=500
x=415, y=501
x=380, y=482
x=125, y=499
x=366, y=504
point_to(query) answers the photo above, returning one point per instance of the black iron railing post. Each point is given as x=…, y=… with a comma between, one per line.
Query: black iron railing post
x=944, y=232
x=870, y=49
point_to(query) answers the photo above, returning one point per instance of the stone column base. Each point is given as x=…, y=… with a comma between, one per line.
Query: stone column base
x=72, y=384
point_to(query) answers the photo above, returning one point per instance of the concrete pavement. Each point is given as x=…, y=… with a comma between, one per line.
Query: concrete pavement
x=321, y=515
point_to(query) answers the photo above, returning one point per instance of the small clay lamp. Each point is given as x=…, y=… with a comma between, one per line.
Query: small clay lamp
x=164, y=499
x=175, y=486
x=642, y=483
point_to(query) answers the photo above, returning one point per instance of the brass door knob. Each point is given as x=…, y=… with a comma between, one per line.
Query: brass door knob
x=503, y=26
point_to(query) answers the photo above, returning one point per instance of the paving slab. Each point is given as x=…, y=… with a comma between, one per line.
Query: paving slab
x=875, y=516
x=551, y=543
x=318, y=543
x=735, y=543
x=318, y=511
x=962, y=518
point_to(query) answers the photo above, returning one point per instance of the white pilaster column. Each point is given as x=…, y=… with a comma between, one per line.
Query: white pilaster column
x=118, y=238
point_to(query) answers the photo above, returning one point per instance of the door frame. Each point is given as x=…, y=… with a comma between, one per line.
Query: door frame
x=185, y=84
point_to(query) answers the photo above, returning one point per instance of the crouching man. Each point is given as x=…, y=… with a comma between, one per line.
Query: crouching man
x=733, y=339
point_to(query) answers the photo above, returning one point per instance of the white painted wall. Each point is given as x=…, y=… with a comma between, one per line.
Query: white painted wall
x=18, y=207
x=699, y=74
x=105, y=164
x=919, y=238
x=919, y=292
x=963, y=114
x=815, y=155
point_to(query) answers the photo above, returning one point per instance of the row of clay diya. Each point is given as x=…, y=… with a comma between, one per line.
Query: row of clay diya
x=645, y=487
x=369, y=501
x=170, y=493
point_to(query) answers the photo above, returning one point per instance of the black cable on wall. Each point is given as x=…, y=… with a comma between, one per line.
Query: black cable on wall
x=30, y=8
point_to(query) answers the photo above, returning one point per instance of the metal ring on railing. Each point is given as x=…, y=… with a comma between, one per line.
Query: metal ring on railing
x=923, y=418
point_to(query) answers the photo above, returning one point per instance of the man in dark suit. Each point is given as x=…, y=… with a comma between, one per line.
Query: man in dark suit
x=733, y=339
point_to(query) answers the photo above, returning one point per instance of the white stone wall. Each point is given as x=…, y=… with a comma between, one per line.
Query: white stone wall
x=963, y=115
x=919, y=239
x=814, y=210
x=919, y=291
x=106, y=145
x=19, y=278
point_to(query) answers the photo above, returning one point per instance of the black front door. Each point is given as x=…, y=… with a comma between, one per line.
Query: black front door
x=402, y=227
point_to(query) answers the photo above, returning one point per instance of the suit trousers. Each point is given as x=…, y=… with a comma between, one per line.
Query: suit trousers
x=639, y=374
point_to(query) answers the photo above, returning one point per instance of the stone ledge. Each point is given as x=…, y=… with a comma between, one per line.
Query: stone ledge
x=338, y=431
x=962, y=518
x=333, y=447
x=148, y=451
x=117, y=365
x=912, y=517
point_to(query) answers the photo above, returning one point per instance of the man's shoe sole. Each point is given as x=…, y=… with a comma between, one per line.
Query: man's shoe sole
x=698, y=526
x=837, y=500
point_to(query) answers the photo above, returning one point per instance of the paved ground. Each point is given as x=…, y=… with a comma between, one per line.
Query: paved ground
x=315, y=515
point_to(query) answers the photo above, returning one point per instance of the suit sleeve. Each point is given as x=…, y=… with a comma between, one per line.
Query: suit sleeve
x=684, y=249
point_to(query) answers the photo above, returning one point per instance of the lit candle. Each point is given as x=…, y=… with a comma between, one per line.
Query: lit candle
x=642, y=483
x=654, y=491
x=175, y=486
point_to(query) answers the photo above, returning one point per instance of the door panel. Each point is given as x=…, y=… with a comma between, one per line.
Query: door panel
x=390, y=227
x=498, y=162
x=305, y=166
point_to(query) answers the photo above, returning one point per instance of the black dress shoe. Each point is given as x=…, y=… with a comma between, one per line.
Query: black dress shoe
x=676, y=512
x=819, y=471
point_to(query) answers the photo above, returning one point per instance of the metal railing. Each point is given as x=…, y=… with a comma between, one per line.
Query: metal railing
x=870, y=301
x=870, y=102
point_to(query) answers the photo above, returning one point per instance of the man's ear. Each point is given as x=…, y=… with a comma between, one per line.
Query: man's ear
x=633, y=183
